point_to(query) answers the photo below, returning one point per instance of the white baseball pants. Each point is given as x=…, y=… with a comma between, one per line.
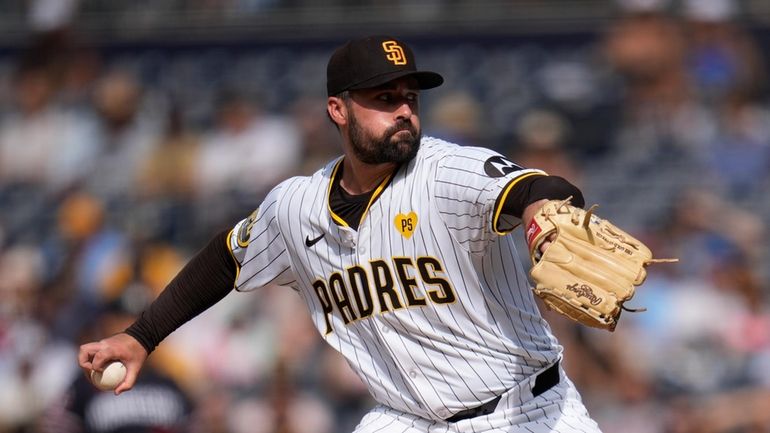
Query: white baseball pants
x=558, y=410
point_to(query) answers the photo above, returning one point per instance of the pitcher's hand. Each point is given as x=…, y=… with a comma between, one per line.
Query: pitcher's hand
x=119, y=347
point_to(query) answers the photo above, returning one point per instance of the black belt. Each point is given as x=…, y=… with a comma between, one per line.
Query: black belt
x=544, y=381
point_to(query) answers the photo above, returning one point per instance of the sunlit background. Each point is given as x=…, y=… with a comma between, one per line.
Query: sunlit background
x=132, y=131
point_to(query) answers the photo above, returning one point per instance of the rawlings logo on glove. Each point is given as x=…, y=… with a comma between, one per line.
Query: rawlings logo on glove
x=585, y=291
x=590, y=268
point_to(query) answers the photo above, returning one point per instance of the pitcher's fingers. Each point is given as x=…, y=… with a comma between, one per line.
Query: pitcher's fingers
x=86, y=354
x=102, y=358
x=128, y=382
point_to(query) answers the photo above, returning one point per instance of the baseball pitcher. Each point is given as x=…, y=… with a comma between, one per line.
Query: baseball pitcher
x=400, y=250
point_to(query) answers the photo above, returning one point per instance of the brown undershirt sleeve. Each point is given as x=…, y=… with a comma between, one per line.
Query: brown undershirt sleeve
x=534, y=188
x=204, y=281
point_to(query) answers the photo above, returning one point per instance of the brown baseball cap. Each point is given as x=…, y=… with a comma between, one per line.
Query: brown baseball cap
x=372, y=61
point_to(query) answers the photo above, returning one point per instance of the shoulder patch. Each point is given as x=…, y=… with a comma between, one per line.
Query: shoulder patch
x=499, y=166
x=244, y=232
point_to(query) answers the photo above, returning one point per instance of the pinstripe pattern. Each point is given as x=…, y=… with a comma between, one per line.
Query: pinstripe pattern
x=452, y=321
x=559, y=410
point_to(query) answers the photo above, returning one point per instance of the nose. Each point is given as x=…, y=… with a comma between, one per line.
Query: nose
x=404, y=111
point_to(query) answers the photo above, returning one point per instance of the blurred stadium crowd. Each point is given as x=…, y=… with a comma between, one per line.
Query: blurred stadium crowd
x=117, y=165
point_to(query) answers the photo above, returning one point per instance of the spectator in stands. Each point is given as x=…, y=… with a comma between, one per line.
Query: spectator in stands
x=457, y=116
x=88, y=261
x=319, y=142
x=129, y=124
x=167, y=182
x=159, y=405
x=41, y=145
x=34, y=368
x=722, y=56
x=725, y=63
x=247, y=150
x=542, y=140
x=169, y=167
x=647, y=49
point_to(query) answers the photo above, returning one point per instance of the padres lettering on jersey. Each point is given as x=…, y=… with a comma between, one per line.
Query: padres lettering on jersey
x=426, y=300
x=375, y=291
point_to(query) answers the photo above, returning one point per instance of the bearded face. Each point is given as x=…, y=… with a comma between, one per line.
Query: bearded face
x=397, y=144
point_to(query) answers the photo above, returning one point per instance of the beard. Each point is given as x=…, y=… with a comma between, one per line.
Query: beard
x=392, y=146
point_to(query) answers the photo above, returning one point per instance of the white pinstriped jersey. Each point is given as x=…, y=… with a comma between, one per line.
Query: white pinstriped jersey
x=427, y=300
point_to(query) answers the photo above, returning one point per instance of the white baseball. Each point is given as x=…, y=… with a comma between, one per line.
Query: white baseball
x=110, y=378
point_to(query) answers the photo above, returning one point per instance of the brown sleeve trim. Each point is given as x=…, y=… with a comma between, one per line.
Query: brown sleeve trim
x=205, y=280
x=525, y=190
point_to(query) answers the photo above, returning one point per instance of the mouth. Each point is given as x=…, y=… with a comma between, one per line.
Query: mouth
x=405, y=129
x=402, y=131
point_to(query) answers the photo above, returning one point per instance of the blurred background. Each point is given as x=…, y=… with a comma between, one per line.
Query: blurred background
x=132, y=131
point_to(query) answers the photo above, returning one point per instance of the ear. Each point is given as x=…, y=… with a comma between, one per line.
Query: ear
x=338, y=111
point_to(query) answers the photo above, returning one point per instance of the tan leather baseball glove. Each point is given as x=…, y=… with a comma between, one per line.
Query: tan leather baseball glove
x=590, y=268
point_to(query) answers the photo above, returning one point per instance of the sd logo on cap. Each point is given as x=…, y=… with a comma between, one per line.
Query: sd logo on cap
x=372, y=61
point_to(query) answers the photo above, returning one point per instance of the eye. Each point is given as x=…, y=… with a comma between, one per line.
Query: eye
x=385, y=97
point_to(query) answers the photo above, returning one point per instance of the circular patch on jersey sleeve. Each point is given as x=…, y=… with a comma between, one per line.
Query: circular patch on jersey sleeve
x=499, y=166
x=244, y=232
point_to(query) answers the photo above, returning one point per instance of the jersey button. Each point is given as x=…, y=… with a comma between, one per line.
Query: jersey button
x=442, y=413
x=412, y=374
x=385, y=329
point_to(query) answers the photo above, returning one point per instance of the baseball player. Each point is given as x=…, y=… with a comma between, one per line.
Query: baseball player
x=399, y=247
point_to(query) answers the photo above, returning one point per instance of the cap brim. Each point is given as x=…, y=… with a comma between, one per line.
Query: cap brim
x=425, y=79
